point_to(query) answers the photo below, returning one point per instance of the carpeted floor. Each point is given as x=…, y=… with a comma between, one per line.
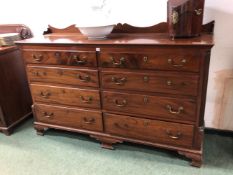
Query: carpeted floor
x=65, y=153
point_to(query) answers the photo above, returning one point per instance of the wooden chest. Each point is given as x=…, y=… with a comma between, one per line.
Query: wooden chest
x=15, y=98
x=140, y=87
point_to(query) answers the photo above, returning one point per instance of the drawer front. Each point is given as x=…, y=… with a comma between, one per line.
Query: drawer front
x=63, y=75
x=178, y=60
x=69, y=117
x=154, y=106
x=175, y=83
x=149, y=130
x=66, y=96
x=53, y=57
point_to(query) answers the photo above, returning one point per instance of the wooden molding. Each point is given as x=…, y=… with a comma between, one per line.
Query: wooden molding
x=127, y=28
x=69, y=29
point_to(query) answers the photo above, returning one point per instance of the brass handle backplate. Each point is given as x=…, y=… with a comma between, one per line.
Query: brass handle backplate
x=119, y=81
x=121, y=61
x=85, y=78
x=48, y=114
x=37, y=58
x=87, y=100
x=122, y=104
x=78, y=60
x=198, y=12
x=45, y=94
x=175, y=17
x=89, y=121
x=173, y=136
x=171, y=62
x=180, y=109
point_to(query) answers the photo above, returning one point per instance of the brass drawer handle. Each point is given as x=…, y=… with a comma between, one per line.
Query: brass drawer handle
x=88, y=100
x=171, y=62
x=180, y=109
x=124, y=126
x=85, y=78
x=121, y=62
x=119, y=81
x=78, y=60
x=122, y=104
x=37, y=58
x=173, y=136
x=48, y=114
x=88, y=121
x=45, y=94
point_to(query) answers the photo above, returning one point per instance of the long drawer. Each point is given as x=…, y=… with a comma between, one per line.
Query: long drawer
x=174, y=83
x=66, y=96
x=69, y=117
x=154, y=106
x=149, y=130
x=58, y=57
x=70, y=76
x=158, y=59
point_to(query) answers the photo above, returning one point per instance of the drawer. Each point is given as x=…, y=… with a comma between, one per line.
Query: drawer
x=69, y=117
x=66, y=96
x=70, y=76
x=179, y=60
x=149, y=130
x=57, y=57
x=174, y=83
x=155, y=106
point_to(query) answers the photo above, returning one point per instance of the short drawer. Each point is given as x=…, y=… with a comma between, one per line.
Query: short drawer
x=57, y=57
x=179, y=60
x=174, y=83
x=148, y=105
x=69, y=117
x=149, y=130
x=66, y=96
x=70, y=76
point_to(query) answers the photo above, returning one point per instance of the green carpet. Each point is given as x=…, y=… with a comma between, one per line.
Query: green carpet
x=66, y=153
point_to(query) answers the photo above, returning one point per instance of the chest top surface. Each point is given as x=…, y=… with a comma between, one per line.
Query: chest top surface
x=120, y=39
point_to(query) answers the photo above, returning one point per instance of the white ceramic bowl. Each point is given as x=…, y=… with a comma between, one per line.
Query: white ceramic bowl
x=96, y=32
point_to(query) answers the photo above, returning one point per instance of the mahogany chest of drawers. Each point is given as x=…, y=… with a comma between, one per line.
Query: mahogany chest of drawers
x=140, y=87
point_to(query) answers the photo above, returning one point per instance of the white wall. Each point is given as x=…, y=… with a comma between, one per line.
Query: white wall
x=38, y=14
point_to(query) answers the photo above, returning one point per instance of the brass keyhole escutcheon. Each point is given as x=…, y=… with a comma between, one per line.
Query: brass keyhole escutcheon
x=145, y=59
x=146, y=79
x=145, y=100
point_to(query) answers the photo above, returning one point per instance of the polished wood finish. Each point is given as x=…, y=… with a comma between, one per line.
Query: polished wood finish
x=171, y=83
x=150, y=130
x=178, y=58
x=70, y=76
x=147, y=105
x=65, y=95
x=145, y=87
x=15, y=98
x=57, y=57
x=70, y=117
